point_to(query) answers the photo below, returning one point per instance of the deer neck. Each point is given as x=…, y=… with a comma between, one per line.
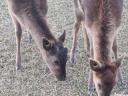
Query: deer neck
x=102, y=53
x=102, y=47
x=38, y=32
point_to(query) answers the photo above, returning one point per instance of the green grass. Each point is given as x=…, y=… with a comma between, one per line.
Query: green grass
x=34, y=79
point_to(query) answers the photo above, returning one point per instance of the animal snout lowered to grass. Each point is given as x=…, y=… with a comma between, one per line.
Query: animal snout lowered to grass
x=31, y=14
x=34, y=79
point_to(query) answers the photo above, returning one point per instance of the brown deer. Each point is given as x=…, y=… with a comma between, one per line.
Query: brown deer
x=101, y=20
x=31, y=14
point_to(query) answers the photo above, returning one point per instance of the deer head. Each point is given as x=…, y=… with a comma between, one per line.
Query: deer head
x=104, y=76
x=56, y=56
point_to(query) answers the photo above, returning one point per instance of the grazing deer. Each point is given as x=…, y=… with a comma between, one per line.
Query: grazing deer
x=31, y=14
x=101, y=20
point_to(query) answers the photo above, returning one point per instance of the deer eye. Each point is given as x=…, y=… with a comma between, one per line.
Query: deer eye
x=56, y=62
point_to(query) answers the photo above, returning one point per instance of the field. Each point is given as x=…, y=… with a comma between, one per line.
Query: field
x=34, y=79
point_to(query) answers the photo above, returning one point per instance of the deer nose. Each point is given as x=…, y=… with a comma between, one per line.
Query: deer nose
x=62, y=78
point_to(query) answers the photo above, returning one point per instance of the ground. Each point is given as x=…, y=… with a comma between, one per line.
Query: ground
x=34, y=79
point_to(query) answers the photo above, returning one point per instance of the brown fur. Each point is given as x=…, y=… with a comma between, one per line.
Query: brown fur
x=31, y=14
x=100, y=19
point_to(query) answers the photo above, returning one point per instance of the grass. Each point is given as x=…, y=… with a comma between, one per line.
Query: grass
x=34, y=79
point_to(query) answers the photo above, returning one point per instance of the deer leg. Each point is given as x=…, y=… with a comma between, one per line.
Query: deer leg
x=119, y=75
x=90, y=80
x=18, y=32
x=86, y=41
x=73, y=49
x=90, y=84
x=88, y=45
x=29, y=38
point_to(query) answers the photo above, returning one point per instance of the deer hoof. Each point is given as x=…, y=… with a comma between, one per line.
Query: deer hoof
x=73, y=59
x=90, y=92
x=18, y=67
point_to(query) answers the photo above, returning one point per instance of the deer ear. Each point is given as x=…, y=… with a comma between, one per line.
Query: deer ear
x=62, y=37
x=46, y=44
x=96, y=66
x=118, y=62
